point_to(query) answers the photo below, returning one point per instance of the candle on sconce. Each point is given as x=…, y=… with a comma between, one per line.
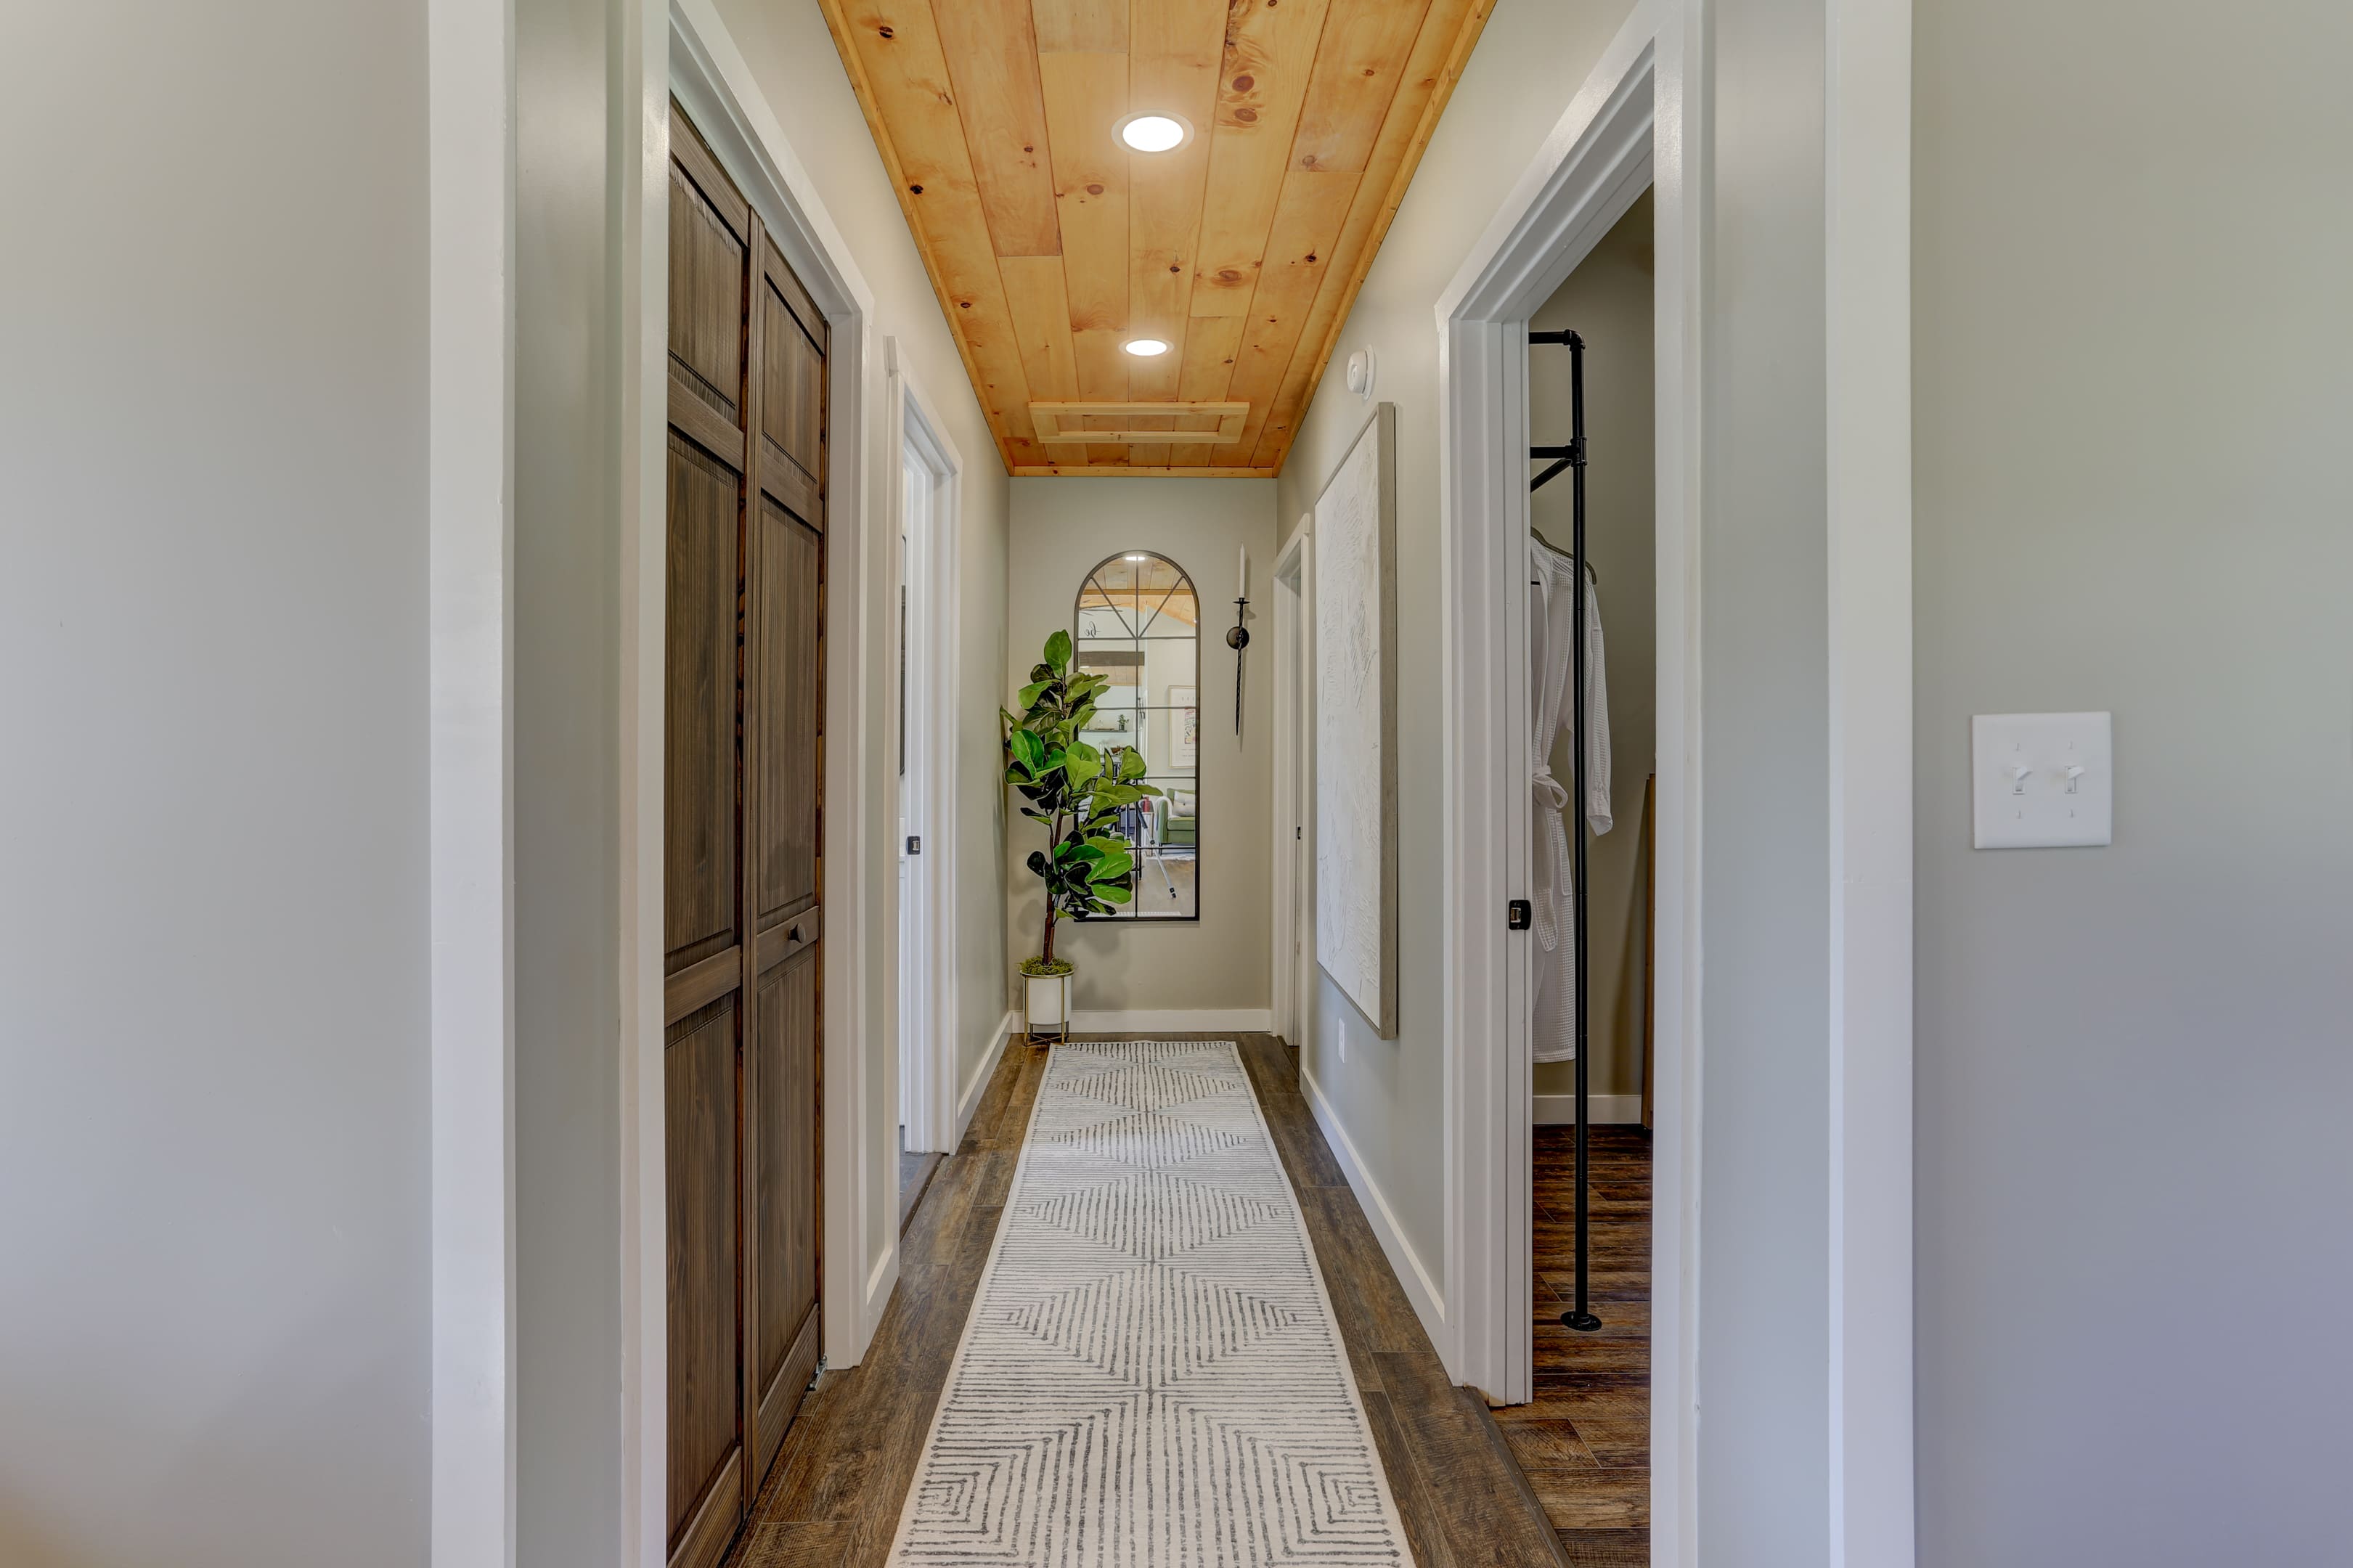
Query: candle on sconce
x=1239, y=637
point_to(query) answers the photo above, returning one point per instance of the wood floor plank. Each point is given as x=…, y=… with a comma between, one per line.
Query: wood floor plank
x=1490, y=1516
x=1547, y=1445
x=1607, y=1548
x=1388, y=1317
x=1347, y=1305
x=799, y=1543
x=1589, y=1498
x=1585, y=1441
x=1423, y=1533
x=1306, y=1157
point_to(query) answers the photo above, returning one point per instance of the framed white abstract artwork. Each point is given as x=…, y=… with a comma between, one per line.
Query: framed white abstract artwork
x=1355, y=724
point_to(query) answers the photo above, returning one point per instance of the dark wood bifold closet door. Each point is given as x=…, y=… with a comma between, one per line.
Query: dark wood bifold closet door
x=744, y=869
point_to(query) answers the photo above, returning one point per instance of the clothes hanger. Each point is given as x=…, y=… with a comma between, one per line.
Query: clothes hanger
x=1594, y=576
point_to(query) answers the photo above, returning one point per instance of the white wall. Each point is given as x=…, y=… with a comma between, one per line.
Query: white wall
x=2133, y=232
x=1062, y=529
x=213, y=942
x=1607, y=302
x=792, y=57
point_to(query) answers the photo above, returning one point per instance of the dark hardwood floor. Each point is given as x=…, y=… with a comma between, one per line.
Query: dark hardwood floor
x=835, y=1494
x=1585, y=1444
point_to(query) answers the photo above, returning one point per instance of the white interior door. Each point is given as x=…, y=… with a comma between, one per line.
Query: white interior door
x=914, y=492
x=1294, y=943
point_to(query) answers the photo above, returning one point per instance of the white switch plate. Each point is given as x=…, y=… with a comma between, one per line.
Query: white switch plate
x=2042, y=808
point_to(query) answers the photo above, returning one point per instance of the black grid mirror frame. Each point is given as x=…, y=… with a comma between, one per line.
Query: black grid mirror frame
x=1137, y=619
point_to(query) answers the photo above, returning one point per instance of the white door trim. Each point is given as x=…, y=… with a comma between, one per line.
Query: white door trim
x=469, y=780
x=1595, y=164
x=642, y=289
x=929, y=961
x=1867, y=253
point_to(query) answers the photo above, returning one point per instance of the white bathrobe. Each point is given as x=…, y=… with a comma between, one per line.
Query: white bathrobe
x=1552, y=632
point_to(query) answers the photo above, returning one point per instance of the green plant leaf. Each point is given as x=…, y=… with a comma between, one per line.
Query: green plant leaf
x=1057, y=650
x=1112, y=893
x=1028, y=695
x=1110, y=866
x=1030, y=749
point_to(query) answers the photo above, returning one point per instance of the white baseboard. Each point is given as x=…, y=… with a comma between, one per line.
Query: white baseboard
x=1421, y=1288
x=880, y=1282
x=1174, y=1021
x=1560, y=1109
x=968, y=1101
x=1170, y=1021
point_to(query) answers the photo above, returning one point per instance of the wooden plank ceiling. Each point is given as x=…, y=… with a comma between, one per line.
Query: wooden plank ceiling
x=1052, y=245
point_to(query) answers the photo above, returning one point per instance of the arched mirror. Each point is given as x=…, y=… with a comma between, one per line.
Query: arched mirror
x=1139, y=626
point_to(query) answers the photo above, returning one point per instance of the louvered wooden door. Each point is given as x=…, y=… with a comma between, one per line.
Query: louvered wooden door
x=743, y=867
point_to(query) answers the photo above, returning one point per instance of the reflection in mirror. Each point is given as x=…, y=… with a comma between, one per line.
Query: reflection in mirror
x=1139, y=626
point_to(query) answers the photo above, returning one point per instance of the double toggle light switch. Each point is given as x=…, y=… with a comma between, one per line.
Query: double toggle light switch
x=2041, y=779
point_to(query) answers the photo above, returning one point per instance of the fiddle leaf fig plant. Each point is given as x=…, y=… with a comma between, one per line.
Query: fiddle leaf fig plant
x=1076, y=790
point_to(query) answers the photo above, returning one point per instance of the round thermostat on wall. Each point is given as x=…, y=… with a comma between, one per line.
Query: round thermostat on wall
x=1360, y=372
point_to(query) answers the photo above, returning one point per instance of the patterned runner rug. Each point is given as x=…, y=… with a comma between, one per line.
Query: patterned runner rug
x=1150, y=1376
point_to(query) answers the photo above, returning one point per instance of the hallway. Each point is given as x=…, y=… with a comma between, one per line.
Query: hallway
x=836, y=1493
x=563, y=681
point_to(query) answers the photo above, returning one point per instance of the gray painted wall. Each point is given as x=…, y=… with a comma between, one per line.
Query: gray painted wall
x=1607, y=302
x=2133, y=233
x=212, y=954
x=1389, y=1094
x=1062, y=529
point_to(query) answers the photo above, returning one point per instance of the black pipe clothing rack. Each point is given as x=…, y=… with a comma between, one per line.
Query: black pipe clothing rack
x=1571, y=457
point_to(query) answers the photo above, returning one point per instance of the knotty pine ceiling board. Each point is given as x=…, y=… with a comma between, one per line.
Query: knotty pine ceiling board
x=1051, y=244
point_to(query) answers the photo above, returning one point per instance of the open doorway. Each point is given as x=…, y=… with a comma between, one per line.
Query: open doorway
x=1584, y=1440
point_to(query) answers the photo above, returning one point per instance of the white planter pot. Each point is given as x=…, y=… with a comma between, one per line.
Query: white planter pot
x=1045, y=1002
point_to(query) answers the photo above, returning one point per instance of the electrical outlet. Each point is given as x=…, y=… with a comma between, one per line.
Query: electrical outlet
x=2041, y=781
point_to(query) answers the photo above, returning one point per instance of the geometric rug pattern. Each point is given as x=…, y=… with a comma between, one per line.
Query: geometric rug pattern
x=1151, y=1375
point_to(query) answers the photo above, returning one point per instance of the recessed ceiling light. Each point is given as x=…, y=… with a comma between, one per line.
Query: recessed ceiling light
x=1154, y=132
x=1144, y=348
x=1139, y=558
